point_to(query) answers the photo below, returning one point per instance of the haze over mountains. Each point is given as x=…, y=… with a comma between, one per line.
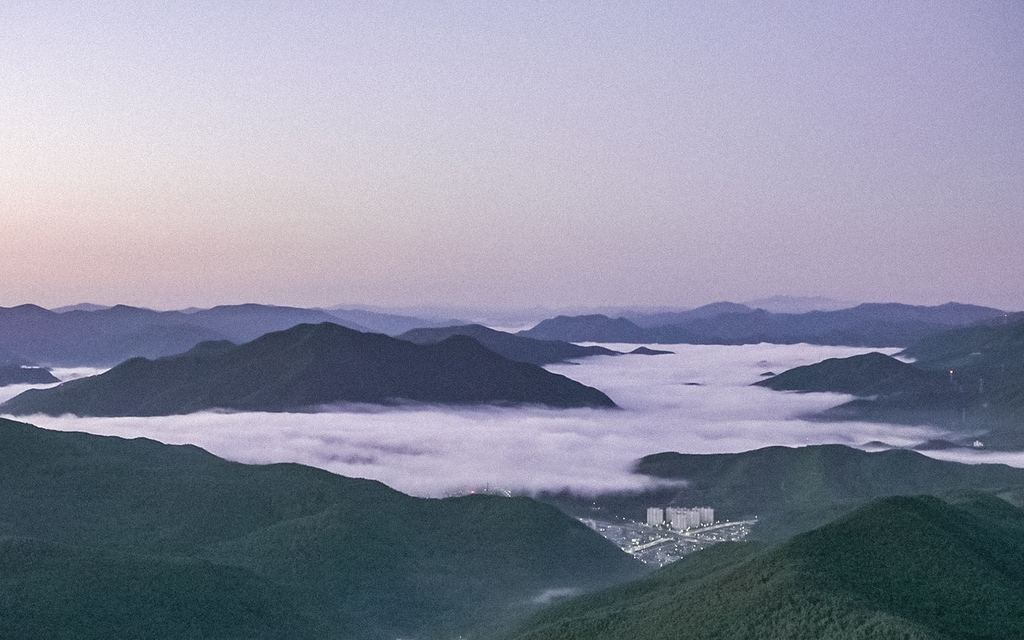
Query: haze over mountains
x=96, y=336
x=306, y=368
x=291, y=552
x=513, y=347
x=866, y=325
x=970, y=380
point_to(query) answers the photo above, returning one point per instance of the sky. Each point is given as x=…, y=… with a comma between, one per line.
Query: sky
x=510, y=154
x=697, y=400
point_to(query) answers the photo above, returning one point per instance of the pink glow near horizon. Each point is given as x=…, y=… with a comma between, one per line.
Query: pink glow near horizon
x=535, y=153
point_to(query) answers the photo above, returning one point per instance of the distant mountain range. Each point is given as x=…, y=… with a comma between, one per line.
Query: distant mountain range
x=305, y=368
x=970, y=380
x=387, y=323
x=513, y=347
x=907, y=567
x=866, y=325
x=97, y=336
x=103, y=537
x=105, y=337
x=799, y=304
x=91, y=335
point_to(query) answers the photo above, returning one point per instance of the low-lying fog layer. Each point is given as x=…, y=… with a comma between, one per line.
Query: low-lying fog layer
x=697, y=400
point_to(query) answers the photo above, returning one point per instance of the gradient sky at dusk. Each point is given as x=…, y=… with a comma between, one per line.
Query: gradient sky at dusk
x=171, y=154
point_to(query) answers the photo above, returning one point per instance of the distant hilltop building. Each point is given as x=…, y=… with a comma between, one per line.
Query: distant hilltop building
x=680, y=518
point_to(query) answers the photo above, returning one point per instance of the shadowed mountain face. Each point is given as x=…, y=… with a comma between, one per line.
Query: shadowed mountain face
x=866, y=325
x=513, y=347
x=864, y=375
x=103, y=537
x=904, y=567
x=25, y=375
x=968, y=379
x=989, y=359
x=305, y=368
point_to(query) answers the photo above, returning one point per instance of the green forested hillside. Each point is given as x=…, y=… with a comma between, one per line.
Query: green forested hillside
x=105, y=537
x=909, y=568
x=987, y=362
x=792, y=489
x=968, y=380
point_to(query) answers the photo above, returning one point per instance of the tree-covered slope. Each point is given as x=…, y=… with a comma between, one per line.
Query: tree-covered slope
x=100, y=531
x=909, y=567
x=795, y=488
x=986, y=360
x=305, y=368
x=792, y=489
x=969, y=380
x=59, y=591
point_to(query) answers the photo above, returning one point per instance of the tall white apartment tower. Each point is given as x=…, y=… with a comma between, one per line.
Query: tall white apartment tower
x=655, y=516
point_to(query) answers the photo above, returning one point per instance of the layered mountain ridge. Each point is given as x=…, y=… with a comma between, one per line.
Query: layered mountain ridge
x=969, y=380
x=866, y=325
x=513, y=347
x=306, y=368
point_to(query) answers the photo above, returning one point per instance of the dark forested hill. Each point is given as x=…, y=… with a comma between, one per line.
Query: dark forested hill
x=900, y=568
x=305, y=368
x=25, y=375
x=513, y=347
x=969, y=380
x=869, y=374
x=103, y=537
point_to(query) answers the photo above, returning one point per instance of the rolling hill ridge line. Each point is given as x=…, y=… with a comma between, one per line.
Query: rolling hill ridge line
x=103, y=537
x=307, y=368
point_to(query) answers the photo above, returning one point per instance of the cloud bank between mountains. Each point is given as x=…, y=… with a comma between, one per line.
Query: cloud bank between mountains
x=698, y=400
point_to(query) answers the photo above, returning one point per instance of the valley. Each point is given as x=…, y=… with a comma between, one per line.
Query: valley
x=738, y=428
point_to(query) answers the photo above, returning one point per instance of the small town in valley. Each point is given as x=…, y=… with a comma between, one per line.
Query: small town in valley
x=669, y=533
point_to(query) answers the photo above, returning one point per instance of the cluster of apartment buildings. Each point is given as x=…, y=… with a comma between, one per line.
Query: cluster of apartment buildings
x=680, y=518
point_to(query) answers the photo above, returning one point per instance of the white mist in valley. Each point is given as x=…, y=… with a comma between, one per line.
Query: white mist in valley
x=696, y=400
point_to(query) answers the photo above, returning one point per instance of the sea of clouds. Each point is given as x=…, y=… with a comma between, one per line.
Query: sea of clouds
x=696, y=400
